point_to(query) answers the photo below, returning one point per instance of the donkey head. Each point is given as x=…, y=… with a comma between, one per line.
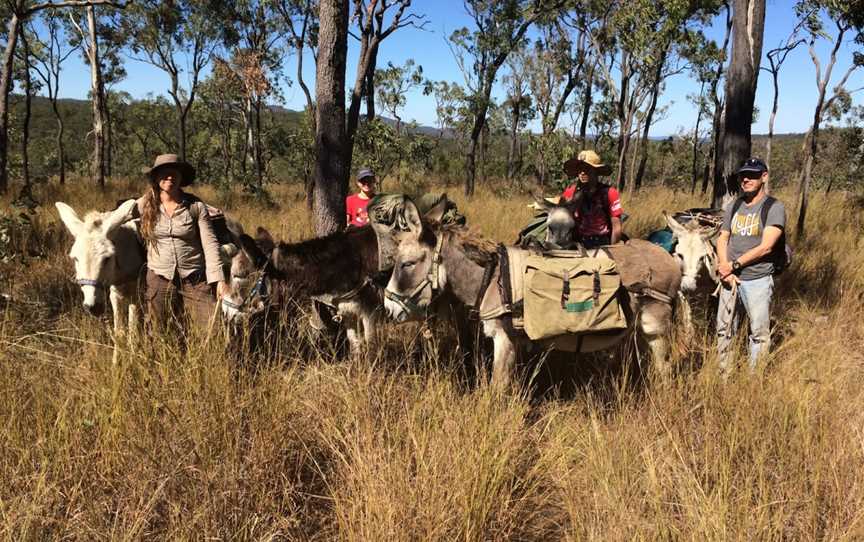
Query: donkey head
x=560, y=221
x=94, y=252
x=694, y=248
x=248, y=286
x=418, y=272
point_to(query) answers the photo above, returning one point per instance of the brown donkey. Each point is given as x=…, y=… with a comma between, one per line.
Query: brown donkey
x=432, y=259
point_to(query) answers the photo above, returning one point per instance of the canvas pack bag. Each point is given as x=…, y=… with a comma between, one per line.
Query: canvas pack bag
x=567, y=293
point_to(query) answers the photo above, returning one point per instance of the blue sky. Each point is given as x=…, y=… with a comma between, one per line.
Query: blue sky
x=429, y=49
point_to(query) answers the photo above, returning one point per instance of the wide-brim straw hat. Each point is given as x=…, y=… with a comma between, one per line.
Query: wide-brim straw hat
x=172, y=160
x=587, y=158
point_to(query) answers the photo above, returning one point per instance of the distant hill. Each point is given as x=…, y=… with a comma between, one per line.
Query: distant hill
x=77, y=113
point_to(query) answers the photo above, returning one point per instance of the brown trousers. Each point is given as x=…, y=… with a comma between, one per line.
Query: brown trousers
x=167, y=300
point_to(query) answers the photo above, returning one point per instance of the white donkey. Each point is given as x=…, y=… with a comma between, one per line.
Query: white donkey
x=696, y=249
x=108, y=255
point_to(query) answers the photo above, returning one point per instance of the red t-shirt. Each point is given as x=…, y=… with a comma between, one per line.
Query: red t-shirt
x=596, y=216
x=355, y=208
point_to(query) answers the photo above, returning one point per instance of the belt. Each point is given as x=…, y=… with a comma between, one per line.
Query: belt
x=193, y=278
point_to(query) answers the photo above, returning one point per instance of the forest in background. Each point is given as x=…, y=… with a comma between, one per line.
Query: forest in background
x=572, y=74
x=408, y=162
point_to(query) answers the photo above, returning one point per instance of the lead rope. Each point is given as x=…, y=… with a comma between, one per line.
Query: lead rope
x=734, y=287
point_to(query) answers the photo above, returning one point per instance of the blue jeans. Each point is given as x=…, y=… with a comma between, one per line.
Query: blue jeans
x=753, y=297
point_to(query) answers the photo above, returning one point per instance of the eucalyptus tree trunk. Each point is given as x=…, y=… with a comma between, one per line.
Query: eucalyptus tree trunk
x=748, y=23
x=97, y=88
x=5, y=86
x=695, y=167
x=626, y=112
x=586, y=107
x=774, y=107
x=181, y=117
x=717, y=117
x=649, y=117
x=471, y=157
x=61, y=148
x=109, y=136
x=26, y=191
x=370, y=90
x=331, y=171
x=512, y=154
x=259, y=150
x=811, y=145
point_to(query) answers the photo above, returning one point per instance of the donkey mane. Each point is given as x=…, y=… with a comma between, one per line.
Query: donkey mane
x=329, y=264
x=477, y=248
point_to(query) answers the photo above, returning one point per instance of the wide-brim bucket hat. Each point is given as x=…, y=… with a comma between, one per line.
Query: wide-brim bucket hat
x=586, y=158
x=172, y=160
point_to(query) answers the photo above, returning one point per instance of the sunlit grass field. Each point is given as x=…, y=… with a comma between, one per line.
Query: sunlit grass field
x=401, y=444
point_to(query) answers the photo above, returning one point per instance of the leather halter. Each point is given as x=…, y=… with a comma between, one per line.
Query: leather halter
x=409, y=301
x=90, y=282
x=260, y=289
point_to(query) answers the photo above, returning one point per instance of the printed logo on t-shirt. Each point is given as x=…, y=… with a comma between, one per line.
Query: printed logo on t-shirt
x=361, y=216
x=748, y=225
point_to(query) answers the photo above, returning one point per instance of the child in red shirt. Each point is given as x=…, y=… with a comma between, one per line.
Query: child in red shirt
x=355, y=204
x=599, y=213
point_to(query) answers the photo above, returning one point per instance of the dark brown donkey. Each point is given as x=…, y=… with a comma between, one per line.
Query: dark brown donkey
x=336, y=270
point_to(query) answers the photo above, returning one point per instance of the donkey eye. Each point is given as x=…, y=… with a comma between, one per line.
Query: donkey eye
x=406, y=265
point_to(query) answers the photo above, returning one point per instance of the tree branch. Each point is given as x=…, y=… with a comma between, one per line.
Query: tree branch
x=72, y=3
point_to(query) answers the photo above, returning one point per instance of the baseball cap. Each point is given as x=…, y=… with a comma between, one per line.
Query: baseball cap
x=365, y=172
x=753, y=165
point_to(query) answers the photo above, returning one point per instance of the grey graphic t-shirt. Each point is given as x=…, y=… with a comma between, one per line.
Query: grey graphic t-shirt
x=746, y=232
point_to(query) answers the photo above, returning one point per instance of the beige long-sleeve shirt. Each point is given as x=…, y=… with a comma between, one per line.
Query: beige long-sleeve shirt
x=181, y=247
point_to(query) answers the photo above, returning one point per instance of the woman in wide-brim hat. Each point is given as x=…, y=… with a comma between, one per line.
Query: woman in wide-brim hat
x=598, y=207
x=184, y=268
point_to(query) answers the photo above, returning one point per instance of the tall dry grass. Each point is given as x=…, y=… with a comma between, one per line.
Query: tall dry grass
x=400, y=446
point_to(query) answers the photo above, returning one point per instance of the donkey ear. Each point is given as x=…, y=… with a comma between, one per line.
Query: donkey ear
x=674, y=225
x=436, y=214
x=412, y=218
x=235, y=230
x=229, y=250
x=264, y=240
x=70, y=218
x=255, y=255
x=263, y=233
x=120, y=215
x=709, y=232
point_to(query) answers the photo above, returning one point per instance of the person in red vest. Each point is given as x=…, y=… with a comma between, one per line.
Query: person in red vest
x=355, y=204
x=598, y=214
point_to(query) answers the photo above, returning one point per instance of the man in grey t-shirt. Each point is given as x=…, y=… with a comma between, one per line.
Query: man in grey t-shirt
x=744, y=266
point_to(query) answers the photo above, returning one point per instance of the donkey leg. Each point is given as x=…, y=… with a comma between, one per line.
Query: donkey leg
x=686, y=317
x=368, y=321
x=504, y=357
x=353, y=333
x=120, y=307
x=654, y=324
x=133, y=325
